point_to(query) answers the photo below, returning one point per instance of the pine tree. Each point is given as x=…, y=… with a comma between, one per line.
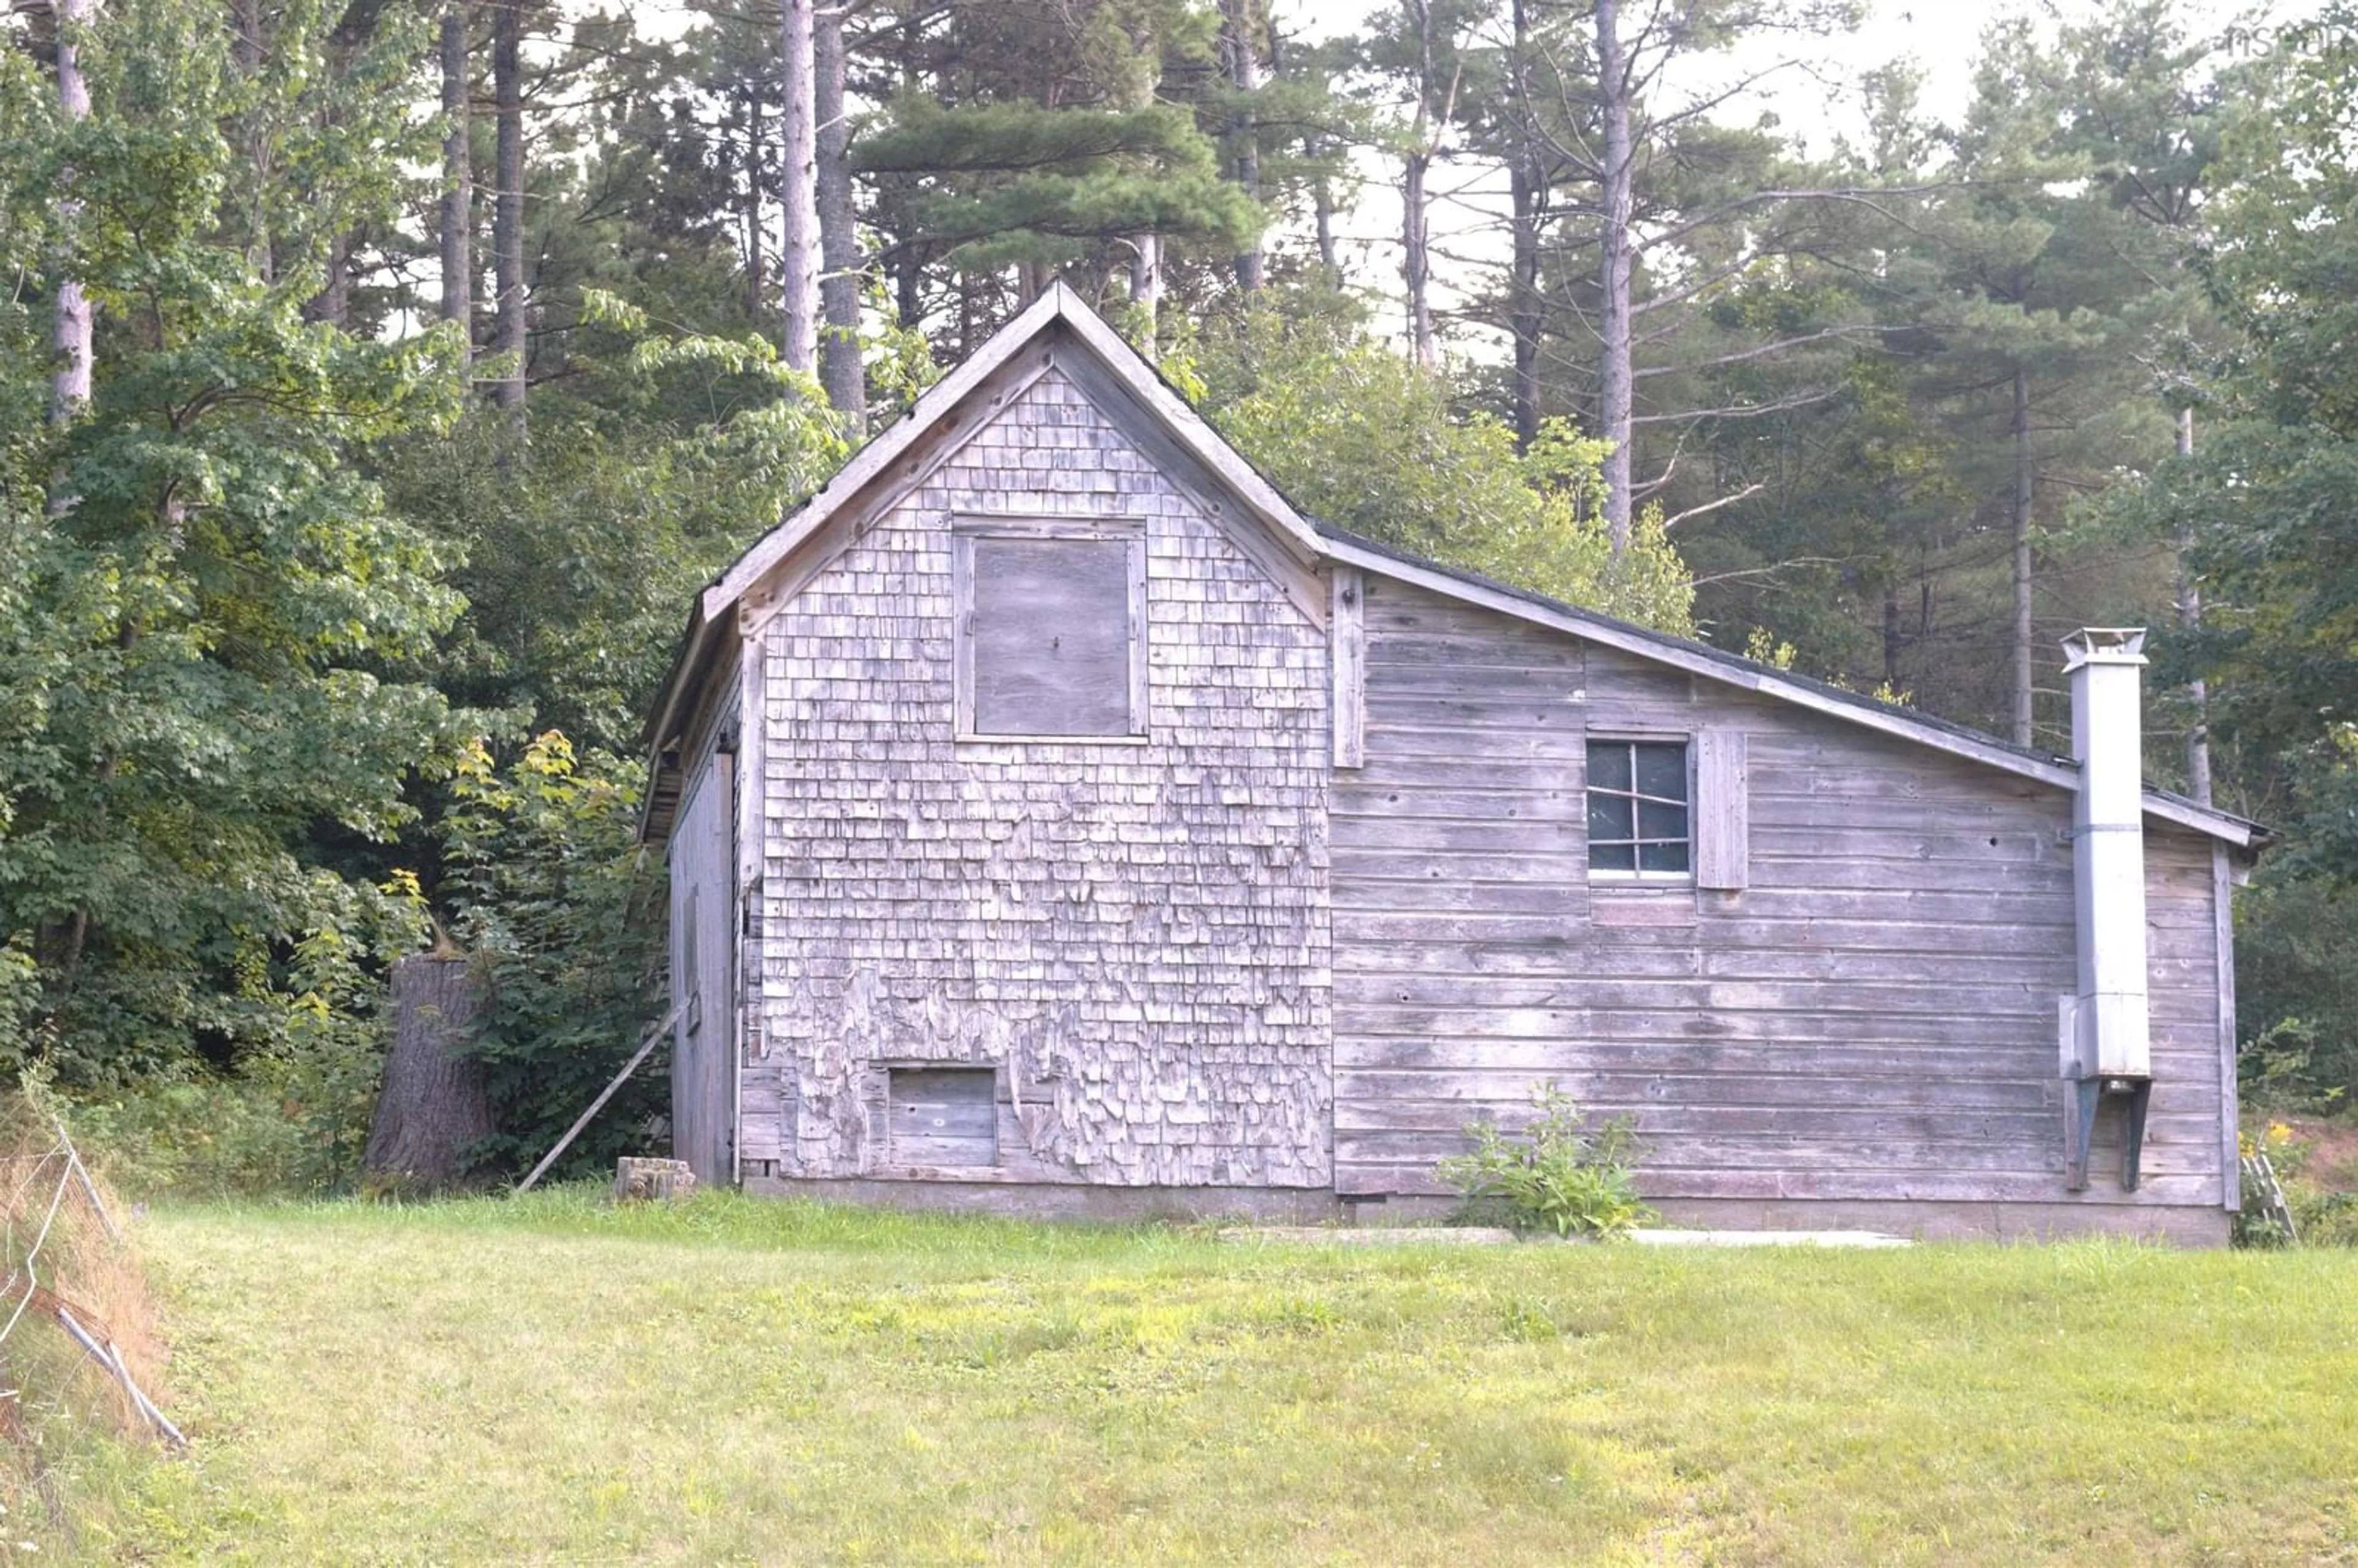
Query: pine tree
x=71, y=334
x=1046, y=149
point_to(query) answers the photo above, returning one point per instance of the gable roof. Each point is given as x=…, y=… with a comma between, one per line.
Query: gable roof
x=1060, y=309
x=1058, y=305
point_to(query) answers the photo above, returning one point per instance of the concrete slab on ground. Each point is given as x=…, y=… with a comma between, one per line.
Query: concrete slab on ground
x=1498, y=1236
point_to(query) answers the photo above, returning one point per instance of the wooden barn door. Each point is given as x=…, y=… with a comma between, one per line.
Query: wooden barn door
x=703, y=925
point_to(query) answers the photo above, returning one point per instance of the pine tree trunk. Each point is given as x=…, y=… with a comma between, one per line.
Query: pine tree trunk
x=1526, y=183
x=1416, y=262
x=1239, y=29
x=333, y=304
x=458, y=212
x=2023, y=665
x=904, y=259
x=757, y=277
x=1146, y=289
x=841, y=370
x=1523, y=316
x=245, y=56
x=1321, y=199
x=1893, y=636
x=1416, y=231
x=908, y=285
x=1616, y=396
x=70, y=331
x=799, y=246
x=431, y=1108
x=2190, y=616
x=245, y=35
x=507, y=212
x=1146, y=247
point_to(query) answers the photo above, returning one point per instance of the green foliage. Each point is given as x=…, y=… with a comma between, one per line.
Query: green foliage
x=1557, y=1174
x=696, y=442
x=202, y=625
x=1047, y=146
x=2322, y=1218
x=2319, y=1200
x=563, y=907
x=288, y=1117
x=1358, y=437
x=2279, y=1069
x=2264, y=503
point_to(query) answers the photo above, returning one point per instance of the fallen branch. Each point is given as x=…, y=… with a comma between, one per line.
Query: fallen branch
x=1753, y=489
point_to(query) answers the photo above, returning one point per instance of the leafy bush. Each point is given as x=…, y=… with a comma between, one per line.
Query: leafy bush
x=1556, y=1175
x=555, y=896
x=291, y=1116
x=291, y=1112
x=2297, y=977
x=2322, y=1218
x=1356, y=435
x=2323, y=1212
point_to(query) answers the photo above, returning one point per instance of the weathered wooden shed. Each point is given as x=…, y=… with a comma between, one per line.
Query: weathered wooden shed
x=1059, y=821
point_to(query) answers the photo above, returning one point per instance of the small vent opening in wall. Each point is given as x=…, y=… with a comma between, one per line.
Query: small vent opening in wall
x=943, y=1116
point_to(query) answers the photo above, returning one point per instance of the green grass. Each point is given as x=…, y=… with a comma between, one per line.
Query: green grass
x=556, y=1381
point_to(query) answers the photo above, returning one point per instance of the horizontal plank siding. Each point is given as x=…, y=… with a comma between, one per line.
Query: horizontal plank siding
x=1866, y=1011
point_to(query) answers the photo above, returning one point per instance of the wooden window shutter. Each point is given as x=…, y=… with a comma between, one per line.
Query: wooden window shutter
x=1722, y=810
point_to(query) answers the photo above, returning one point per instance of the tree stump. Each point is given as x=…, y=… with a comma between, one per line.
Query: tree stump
x=432, y=1107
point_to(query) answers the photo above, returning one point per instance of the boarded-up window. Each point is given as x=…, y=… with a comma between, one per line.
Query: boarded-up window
x=942, y=1116
x=1052, y=630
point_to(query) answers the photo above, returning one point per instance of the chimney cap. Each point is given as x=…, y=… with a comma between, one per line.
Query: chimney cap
x=2104, y=645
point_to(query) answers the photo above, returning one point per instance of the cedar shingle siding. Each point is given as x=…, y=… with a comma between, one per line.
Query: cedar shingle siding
x=1137, y=936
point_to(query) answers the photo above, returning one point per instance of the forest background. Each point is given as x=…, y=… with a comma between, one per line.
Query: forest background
x=378, y=379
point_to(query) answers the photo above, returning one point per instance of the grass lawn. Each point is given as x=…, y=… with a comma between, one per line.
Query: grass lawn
x=555, y=1380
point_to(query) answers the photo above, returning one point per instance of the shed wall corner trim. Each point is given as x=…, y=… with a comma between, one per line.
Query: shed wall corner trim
x=1347, y=637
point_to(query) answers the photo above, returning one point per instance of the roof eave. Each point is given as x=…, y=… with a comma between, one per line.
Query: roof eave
x=1715, y=664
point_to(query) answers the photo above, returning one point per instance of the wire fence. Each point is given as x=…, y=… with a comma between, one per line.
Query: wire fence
x=2262, y=1188
x=45, y=1186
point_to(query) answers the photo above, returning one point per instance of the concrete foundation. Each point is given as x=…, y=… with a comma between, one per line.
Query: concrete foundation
x=1925, y=1221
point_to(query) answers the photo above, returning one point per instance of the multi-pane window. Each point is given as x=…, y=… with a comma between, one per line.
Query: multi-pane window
x=1052, y=635
x=1638, y=821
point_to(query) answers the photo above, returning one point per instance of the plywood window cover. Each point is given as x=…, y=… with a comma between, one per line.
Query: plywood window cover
x=965, y=531
x=1629, y=741
x=898, y=1076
